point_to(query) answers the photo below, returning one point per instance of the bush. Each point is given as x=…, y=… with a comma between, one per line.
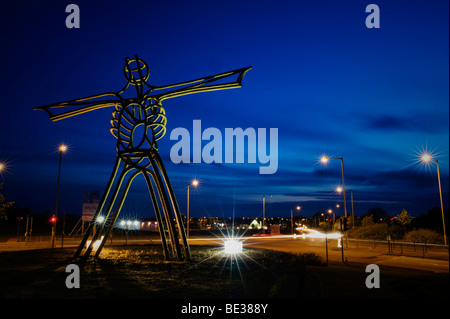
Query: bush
x=311, y=259
x=376, y=231
x=367, y=221
x=424, y=236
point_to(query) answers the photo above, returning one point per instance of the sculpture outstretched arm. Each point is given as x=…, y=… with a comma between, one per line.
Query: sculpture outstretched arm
x=79, y=106
x=202, y=84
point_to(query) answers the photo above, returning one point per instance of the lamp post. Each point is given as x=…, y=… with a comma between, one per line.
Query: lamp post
x=292, y=218
x=339, y=189
x=195, y=184
x=334, y=216
x=264, y=211
x=324, y=160
x=62, y=149
x=18, y=227
x=426, y=158
x=353, y=212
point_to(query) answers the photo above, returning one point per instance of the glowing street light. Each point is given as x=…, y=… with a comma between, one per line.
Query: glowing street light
x=62, y=149
x=3, y=168
x=194, y=183
x=427, y=158
x=325, y=159
x=334, y=216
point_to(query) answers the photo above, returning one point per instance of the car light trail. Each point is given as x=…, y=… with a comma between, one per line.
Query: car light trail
x=312, y=233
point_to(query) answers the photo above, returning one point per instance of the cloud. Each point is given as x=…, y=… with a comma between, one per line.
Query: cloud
x=388, y=122
x=412, y=123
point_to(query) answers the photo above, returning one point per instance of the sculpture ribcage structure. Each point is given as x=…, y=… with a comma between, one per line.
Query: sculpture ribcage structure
x=137, y=124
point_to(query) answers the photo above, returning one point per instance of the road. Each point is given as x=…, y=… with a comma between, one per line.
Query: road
x=353, y=254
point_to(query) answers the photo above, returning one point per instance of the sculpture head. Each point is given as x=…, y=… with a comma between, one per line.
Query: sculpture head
x=136, y=71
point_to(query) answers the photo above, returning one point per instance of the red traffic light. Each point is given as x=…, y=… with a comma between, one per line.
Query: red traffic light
x=53, y=219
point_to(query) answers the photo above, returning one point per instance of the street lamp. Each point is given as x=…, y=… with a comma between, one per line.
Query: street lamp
x=325, y=159
x=195, y=184
x=339, y=189
x=264, y=211
x=353, y=212
x=2, y=169
x=292, y=218
x=427, y=158
x=334, y=216
x=62, y=149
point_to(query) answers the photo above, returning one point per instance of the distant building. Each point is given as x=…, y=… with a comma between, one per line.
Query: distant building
x=149, y=225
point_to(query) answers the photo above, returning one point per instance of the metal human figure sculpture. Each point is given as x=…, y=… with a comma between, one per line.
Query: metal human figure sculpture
x=138, y=122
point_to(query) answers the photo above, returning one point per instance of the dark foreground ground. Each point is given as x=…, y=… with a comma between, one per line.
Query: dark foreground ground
x=139, y=272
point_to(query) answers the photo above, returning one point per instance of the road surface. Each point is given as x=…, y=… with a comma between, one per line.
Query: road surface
x=352, y=254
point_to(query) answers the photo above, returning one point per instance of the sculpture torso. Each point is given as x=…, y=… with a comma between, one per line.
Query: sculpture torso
x=137, y=126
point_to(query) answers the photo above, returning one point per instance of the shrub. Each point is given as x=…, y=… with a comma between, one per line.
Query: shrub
x=424, y=236
x=367, y=221
x=311, y=259
x=374, y=231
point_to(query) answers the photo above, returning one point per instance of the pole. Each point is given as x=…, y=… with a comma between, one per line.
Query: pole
x=343, y=185
x=342, y=239
x=187, y=221
x=264, y=213
x=442, y=206
x=56, y=205
x=63, y=226
x=18, y=228
x=26, y=228
x=326, y=244
x=353, y=212
x=292, y=222
x=31, y=227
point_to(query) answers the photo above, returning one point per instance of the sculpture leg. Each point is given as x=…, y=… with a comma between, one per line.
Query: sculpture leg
x=162, y=231
x=100, y=207
x=174, y=203
x=116, y=214
x=167, y=211
x=112, y=200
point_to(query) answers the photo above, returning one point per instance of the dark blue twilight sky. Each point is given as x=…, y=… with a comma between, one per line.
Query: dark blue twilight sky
x=375, y=97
